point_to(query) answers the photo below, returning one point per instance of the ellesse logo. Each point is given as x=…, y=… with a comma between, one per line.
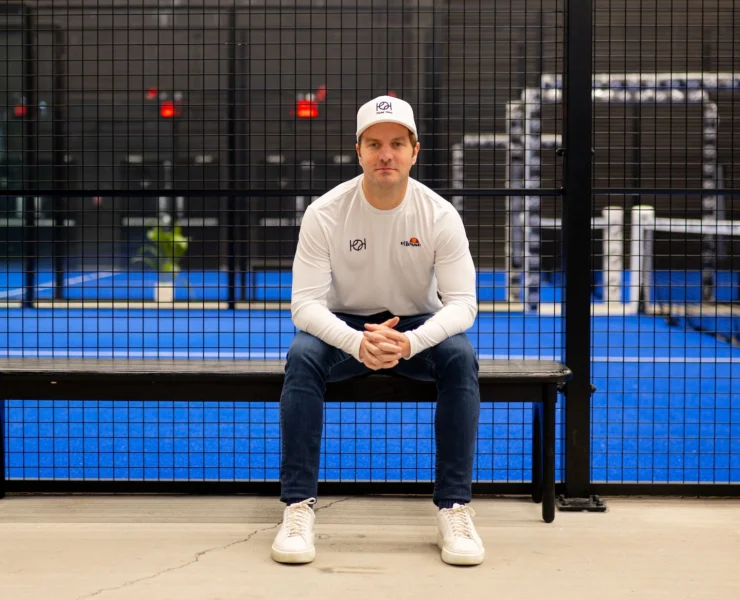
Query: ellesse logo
x=412, y=242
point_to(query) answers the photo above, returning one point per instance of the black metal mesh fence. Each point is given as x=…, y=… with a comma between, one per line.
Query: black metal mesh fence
x=156, y=163
x=667, y=88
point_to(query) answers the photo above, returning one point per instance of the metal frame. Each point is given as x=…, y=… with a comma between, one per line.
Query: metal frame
x=577, y=89
x=631, y=88
x=577, y=163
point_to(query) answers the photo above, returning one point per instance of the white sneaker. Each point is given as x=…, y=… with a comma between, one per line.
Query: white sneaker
x=457, y=538
x=294, y=542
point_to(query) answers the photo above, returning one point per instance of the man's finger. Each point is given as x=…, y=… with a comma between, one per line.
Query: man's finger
x=385, y=325
x=376, y=364
x=371, y=360
x=372, y=348
x=376, y=336
x=390, y=334
x=383, y=345
x=390, y=323
x=381, y=353
x=389, y=348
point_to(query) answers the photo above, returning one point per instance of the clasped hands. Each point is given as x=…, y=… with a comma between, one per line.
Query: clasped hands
x=382, y=346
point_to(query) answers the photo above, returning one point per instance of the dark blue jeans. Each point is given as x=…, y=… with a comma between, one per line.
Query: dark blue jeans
x=311, y=363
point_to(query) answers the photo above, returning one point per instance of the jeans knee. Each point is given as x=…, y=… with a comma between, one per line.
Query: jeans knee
x=307, y=351
x=457, y=352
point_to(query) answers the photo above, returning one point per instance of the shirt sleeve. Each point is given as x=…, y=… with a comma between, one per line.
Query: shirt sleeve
x=455, y=273
x=311, y=285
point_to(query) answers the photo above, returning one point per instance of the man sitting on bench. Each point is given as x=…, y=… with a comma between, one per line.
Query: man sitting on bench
x=375, y=247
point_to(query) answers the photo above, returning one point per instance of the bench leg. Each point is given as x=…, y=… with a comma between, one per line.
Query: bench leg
x=537, y=452
x=2, y=448
x=548, y=467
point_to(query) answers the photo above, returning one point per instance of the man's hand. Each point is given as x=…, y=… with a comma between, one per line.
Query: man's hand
x=378, y=351
x=384, y=333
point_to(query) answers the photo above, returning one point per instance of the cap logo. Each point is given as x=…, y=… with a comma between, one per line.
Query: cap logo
x=383, y=107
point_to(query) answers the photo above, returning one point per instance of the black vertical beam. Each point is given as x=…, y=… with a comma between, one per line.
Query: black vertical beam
x=30, y=178
x=548, y=453
x=61, y=166
x=231, y=220
x=242, y=217
x=577, y=140
x=537, y=454
x=433, y=101
x=636, y=158
x=2, y=447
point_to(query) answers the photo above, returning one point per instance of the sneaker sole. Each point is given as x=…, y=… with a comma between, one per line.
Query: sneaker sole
x=306, y=556
x=454, y=558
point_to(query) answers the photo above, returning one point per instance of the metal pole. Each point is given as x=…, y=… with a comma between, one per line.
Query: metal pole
x=242, y=218
x=2, y=447
x=30, y=177
x=62, y=166
x=434, y=135
x=231, y=224
x=577, y=135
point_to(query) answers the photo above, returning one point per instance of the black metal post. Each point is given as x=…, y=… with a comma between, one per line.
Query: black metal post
x=242, y=217
x=2, y=447
x=577, y=208
x=61, y=166
x=231, y=224
x=636, y=154
x=29, y=167
x=537, y=454
x=434, y=102
x=548, y=454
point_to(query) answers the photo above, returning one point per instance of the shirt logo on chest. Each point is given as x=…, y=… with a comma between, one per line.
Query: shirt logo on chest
x=412, y=242
x=357, y=245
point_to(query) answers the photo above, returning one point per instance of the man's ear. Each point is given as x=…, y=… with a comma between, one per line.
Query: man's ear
x=416, y=153
x=357, y=149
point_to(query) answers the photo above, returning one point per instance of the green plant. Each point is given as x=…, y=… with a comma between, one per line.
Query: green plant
x=164, y=251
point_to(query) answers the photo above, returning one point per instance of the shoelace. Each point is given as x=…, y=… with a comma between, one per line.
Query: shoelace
x=297, y=517
x=460, y=521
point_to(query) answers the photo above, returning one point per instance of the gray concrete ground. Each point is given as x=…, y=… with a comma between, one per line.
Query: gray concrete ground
x=217, y=548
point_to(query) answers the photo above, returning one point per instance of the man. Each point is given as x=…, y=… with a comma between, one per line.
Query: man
x=372, y=254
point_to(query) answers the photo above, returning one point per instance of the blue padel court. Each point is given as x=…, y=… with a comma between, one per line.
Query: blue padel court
x=666, y=406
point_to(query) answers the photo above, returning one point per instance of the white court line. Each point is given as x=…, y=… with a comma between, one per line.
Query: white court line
x=669, y=359
x=225, y=355
x=93, y=353
x=618, y=359
x=67, y=282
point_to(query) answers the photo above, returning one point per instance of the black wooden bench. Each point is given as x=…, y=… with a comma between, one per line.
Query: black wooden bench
x=261, y=381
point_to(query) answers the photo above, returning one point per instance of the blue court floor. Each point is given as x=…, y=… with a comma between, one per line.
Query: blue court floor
x=666, y=409
x=667, y=406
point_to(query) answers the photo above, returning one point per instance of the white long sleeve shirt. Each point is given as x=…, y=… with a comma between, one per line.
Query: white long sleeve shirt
x=355, y=258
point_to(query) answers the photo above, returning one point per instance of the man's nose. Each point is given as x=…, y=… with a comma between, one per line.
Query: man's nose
x=385, y=153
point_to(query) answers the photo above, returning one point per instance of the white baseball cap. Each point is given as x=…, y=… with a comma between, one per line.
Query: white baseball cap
x=385, y=109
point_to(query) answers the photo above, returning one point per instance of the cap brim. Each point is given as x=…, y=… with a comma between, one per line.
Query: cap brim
x=366, y=127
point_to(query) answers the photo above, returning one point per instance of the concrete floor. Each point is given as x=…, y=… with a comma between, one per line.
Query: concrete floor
x=217, y=548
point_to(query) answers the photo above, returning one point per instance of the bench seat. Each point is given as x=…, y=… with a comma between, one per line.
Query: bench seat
x=535, y=381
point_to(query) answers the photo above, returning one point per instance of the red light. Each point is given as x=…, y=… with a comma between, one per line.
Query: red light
x=307, y=109
x=321, y=93
x=169, y=110
x=20, y=110
x=152, y=93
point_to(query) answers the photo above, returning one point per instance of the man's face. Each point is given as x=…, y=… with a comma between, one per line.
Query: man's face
x=386, y=154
